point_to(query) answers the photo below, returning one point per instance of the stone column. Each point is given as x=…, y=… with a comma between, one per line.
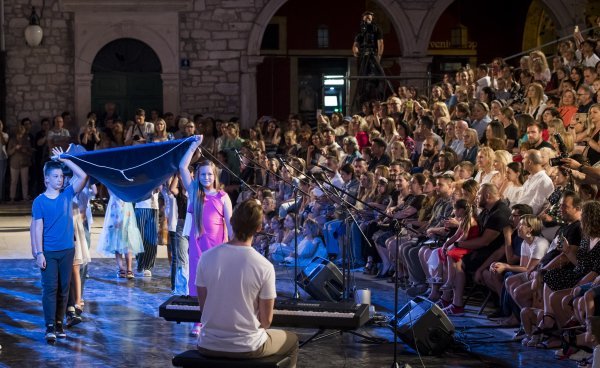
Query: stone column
x=415, y=72
x=171, y=92
x=83, y=96
x=248, y=101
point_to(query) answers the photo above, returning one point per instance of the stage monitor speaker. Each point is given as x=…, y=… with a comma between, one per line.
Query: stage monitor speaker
x=424, y=326
x=322, y=280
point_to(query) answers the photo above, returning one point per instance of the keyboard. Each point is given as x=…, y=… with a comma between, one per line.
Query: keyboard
x=293, y=313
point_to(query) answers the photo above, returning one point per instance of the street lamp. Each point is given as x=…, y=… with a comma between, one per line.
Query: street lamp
x=33, y=32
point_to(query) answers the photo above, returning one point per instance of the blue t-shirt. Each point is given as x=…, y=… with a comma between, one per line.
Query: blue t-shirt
x=57, y=215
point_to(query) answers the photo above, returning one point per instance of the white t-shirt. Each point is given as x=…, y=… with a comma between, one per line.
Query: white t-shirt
x=536, y=250
x=235, y=278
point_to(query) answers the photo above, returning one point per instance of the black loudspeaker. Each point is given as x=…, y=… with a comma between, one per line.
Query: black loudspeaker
x=424, y=327
x=322, y=280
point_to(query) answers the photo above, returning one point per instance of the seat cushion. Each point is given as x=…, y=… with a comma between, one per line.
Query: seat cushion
x=193, y=358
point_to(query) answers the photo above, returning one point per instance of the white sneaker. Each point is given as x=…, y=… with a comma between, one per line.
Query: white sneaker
x=580, y=355
x=147, y=273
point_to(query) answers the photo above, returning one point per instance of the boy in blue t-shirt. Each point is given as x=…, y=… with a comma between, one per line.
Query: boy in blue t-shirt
x=52, y=240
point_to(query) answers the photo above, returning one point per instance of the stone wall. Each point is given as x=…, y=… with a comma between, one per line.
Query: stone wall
x=213, y=38
x=39, y=81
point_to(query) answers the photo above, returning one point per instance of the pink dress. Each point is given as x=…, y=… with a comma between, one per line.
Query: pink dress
x=213, y=222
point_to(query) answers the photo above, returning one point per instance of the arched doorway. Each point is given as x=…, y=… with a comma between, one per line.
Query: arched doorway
x=127, y=72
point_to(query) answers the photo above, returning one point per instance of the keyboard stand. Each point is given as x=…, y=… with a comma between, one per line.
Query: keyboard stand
x=319, y=335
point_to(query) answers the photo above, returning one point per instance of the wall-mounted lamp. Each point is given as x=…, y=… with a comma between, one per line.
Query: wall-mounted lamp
x=33, y=32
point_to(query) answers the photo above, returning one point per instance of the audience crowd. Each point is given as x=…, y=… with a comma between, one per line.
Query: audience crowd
x=487, y=181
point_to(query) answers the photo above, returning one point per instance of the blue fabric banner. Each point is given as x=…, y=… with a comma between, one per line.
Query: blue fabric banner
x=132, y=172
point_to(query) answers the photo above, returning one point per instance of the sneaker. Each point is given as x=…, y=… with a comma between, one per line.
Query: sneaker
x=195, y=332
x=417, y=290
x=50, y=334
x=60, y=331
x=454, y=310
x=73, y=319
x=443, y=303
x=147, y=273
x=519, y=334
x=130, y=275
x=580, y=355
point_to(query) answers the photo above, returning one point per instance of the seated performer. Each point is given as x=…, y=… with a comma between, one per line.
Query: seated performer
x=236, y=293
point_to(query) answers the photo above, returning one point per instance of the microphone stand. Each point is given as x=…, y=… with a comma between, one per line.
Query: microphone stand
x=345, y=259
x=296, y=190
x=228, y=169
x=397, y=225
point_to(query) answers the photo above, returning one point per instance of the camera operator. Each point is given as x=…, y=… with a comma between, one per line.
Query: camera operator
x=369, y=42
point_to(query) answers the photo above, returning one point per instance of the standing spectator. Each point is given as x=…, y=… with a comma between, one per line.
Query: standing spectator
x=58, y=136
x=19, y=153
x=90, y=137
x=141, y=131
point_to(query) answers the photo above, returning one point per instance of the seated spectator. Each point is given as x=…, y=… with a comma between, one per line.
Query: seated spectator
x=538, y=186
x=451, y=255
x=471, y=143
x=309, y=247
x=493, y=219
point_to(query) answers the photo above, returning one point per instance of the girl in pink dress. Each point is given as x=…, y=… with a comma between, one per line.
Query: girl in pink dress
x=211, y=211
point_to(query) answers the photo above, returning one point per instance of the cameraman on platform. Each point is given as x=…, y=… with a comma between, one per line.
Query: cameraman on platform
x=369, y=42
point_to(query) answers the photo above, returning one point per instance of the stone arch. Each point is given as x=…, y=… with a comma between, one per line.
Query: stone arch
x=393, y=9
x=565, y=15
x=92, y=34
x=93, y=43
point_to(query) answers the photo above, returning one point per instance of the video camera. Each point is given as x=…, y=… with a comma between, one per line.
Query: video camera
x=562, y=151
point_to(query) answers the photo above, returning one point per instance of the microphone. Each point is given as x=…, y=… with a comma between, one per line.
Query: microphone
x=281, y=160
x=324, y=168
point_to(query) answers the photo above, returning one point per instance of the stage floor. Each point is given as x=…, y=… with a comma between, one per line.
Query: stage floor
x=121, y=328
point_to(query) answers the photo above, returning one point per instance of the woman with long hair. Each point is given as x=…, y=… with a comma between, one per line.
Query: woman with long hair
x=210, y=208
x=534, y=100
x=538, y=66
x=452, y=254
x=388, y=130
x=511, y=130
x=398, y=151
x=160, y=132
x=485, y=166
x=514, y=184
x=576, y=76
x=593, y=141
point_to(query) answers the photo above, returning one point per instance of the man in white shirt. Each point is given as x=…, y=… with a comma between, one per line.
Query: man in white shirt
x=538, y=186
x=236, y=293
x=141, y=132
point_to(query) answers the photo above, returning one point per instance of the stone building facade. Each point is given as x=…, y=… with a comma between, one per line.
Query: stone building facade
x=219, y=38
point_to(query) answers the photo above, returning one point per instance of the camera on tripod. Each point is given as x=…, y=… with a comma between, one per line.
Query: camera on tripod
x=562, y=151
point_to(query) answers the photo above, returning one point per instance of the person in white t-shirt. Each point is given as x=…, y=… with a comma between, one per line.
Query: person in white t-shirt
x=236, y=293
